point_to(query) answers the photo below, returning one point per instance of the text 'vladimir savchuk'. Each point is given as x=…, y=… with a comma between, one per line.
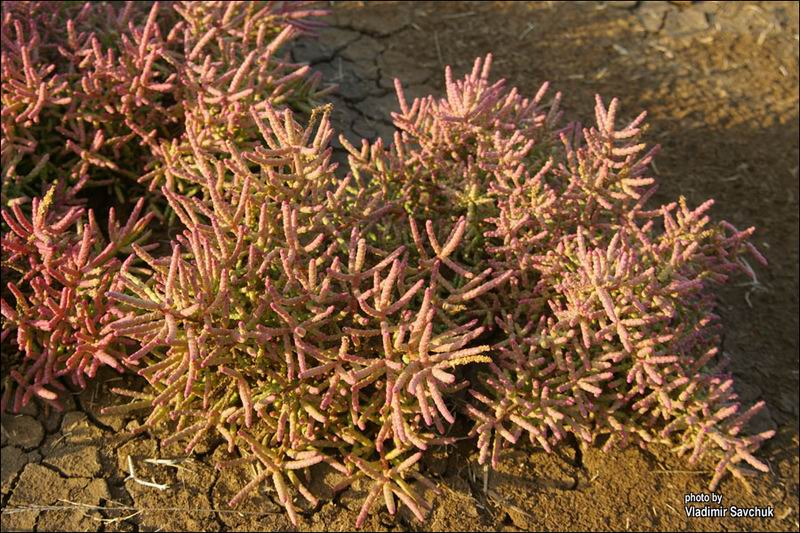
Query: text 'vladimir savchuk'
x=713, y=507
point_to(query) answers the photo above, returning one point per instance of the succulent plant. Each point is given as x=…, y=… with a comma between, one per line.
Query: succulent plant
x=279, y=325
x=96, y=91
x=490, y=263
x=606, y=325
x=91, y=92
x=57, y=267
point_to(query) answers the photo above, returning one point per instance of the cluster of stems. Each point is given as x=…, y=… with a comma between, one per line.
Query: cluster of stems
x=104, y=95
x=492, y=263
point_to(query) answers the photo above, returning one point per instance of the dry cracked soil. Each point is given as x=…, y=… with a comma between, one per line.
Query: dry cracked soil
x=720, y=83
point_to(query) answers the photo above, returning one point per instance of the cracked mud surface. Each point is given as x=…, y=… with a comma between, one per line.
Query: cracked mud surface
x=720, y=82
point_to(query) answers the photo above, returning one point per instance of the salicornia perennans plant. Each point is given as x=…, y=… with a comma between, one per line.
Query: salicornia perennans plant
x=93, y=92
x=606, y=327
x=492, y=263
x=277, y=322
x=57, y=267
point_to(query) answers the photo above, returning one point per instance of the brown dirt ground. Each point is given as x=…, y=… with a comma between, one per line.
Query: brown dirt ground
x=720, y=81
